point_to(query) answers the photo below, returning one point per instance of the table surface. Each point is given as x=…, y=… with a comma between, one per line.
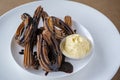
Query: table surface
x=110, y=8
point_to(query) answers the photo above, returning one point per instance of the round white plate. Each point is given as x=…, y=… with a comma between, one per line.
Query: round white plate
x=105, y=61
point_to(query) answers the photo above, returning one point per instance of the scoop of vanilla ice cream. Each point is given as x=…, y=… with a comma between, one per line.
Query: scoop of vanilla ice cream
x=76, y=46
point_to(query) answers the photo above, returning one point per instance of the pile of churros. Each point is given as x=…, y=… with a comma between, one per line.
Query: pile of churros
x=46, y=38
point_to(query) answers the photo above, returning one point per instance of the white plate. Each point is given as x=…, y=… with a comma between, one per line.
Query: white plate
x=105, y=61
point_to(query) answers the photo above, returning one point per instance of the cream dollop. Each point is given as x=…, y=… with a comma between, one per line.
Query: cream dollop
x=75, y=46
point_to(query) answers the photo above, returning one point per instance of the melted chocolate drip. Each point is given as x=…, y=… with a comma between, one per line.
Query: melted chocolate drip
x=35, y=61
x=21, y=52
x=40, y=30
x=66, y=67
x=75, y=30
x=46, y=73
